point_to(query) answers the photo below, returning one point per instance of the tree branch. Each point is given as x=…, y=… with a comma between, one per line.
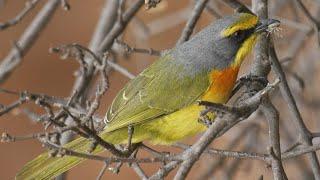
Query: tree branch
x=27, y=39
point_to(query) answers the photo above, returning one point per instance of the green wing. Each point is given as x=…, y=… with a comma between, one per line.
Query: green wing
x=162, y=88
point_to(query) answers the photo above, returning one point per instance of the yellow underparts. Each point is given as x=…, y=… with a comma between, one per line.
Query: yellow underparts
x=183, y=123
x=163, y=130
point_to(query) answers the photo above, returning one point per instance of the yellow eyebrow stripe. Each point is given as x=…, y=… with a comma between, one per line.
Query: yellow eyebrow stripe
x=246, y=21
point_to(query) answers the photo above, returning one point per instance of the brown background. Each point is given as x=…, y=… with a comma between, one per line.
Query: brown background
x=43, y=72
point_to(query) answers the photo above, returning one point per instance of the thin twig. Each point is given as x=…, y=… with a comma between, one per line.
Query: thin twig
x=28, y=7
x=237, y=6
x=130, y=49
x=28, y=38
x=228, y=153
x=187, y=31
x=103, y=170
x=135, y=166
x=119, y=27
x=64, y=151
x=296, y=116
x=311, y=18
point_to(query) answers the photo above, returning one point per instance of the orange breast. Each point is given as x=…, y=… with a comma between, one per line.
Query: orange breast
x=222, y=83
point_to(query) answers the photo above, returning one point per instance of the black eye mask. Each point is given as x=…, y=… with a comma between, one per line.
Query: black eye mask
x=241, y=35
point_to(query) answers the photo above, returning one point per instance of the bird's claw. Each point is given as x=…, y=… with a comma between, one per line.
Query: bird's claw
x=205, y=120
x=253, y=78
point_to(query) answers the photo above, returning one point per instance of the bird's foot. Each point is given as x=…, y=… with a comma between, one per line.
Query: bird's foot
x=246, y=80
x=205, y=120
x=253, y=78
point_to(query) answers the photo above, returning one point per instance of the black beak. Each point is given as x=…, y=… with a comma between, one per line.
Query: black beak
x=266, y=24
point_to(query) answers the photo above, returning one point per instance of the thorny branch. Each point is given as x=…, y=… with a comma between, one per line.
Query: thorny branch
x=77, y=112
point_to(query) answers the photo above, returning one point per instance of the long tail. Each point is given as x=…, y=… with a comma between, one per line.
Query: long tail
x=46, y=167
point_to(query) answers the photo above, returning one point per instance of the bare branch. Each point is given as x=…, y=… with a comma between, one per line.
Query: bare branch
x=27, y=39
x=64, y=151
x=237, y=6
x=296, y=116
x=311, y=18
x=130, y=49
x=187, y=31
x=28, y=7
x=119, y=27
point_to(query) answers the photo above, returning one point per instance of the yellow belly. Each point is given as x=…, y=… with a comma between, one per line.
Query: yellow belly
x=164, y=130
x=182, y=123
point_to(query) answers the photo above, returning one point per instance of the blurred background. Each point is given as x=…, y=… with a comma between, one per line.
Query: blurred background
x=159, y=29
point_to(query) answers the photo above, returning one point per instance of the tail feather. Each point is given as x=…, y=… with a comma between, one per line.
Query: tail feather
x=46, y=167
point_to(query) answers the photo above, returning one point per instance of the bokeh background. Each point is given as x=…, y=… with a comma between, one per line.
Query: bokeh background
x=42, y=72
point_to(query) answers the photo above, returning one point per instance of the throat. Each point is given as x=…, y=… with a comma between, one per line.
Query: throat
x=244, y=50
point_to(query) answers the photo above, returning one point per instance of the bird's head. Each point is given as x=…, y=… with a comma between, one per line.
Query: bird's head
x=223, y=43
x=235, y=35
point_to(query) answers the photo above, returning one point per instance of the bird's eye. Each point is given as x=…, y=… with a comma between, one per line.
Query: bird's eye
x=235, y=34
x=239, y=35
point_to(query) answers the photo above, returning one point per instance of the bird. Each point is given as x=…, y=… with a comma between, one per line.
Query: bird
x=160, y=104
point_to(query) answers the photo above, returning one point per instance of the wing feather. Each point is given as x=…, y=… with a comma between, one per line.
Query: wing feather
x=159, y=90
